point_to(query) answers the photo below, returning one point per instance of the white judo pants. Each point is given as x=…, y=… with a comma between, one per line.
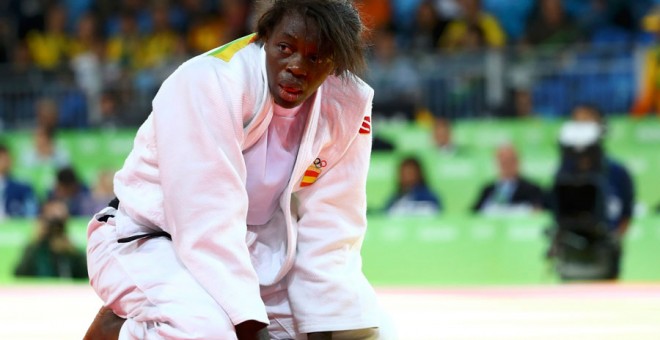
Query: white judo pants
x=144, y=282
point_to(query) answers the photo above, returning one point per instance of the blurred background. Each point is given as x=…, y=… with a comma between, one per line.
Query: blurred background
x=471, y=99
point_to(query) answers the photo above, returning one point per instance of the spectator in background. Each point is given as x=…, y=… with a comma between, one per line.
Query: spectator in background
x=376, y=14
x=47, y=113
x=70, y=190
x=155, y=53
x=395, y=81
x=114, y=114
x=157, y=45
x=413, y=196
x=52, y=253
x=511, y=193
x=648, y=96
x=123, y=45
x=620, y=190
x=512, y=15
x=549, y=25
x=46, y=152
x=206, y=30
x=518, y=104
x=428, y=28
x=50, y=48
x=473, y=19
x=101, y=194
x=442, y=136
x=87, y=59
x=17, y=199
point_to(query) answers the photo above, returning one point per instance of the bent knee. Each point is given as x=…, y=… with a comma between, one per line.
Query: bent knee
x=194, y=323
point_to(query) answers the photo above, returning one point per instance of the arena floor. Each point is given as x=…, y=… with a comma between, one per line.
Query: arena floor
x=602, y=312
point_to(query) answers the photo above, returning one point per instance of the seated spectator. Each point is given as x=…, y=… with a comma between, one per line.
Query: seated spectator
x=394, y=79
x=648, y=96
x=511, y=192
x=52, y=253
x=17, y=199
x=512, y=15
x=413, y=196
x=101, y=194
x=442, y=136
x=549, y=25
x=70, y=190
x=429, y=27
x=473, y=18
x=45, y=152
x=49, y=49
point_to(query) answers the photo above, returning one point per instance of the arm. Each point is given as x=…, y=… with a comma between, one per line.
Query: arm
x=327, y=289
x=199, y=131
x=628, y=200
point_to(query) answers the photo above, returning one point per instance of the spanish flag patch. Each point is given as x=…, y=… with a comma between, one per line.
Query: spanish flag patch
x=312, y=173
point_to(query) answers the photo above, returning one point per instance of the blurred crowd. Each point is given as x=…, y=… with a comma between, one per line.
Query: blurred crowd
x=103, y=60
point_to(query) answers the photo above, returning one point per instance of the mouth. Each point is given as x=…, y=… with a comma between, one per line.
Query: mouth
x=290, y=93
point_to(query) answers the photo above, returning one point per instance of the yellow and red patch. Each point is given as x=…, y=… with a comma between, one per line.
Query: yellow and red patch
x=312, y=173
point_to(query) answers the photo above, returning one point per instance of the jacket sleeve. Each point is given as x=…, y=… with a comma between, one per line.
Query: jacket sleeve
x=199, y=131
x=327, y=289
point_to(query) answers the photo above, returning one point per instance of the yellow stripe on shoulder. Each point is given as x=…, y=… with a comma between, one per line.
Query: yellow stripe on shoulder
x=227, y=51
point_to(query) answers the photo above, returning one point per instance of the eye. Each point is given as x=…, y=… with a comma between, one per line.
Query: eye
x=314, y=58
x=283, y=48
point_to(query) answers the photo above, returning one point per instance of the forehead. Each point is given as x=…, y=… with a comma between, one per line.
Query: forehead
x=295, y=25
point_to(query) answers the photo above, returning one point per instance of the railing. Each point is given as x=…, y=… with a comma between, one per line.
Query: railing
x=460, y=85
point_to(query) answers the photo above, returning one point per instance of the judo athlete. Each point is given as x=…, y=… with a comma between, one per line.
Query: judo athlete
x=241, y=208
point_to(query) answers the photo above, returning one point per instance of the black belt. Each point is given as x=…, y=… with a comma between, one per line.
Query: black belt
x=115, y=204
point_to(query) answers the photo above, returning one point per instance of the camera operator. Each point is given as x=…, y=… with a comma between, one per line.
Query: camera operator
x=594, y=200
x=52, y=254
x=620, y=187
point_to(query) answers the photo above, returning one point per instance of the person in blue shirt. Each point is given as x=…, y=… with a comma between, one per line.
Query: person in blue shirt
x=605, y=181
x=620, y=189
x=413, y=196
x=17, y=199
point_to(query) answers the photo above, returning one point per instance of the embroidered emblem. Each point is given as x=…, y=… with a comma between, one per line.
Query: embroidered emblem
x=312, y=173
x=365, y=129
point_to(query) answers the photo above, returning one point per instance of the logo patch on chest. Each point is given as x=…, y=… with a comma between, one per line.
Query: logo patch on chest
x=312, y=173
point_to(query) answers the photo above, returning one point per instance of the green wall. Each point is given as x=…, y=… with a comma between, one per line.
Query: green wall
x=449, y=250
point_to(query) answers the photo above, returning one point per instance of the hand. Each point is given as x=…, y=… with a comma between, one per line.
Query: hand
x=252, y=330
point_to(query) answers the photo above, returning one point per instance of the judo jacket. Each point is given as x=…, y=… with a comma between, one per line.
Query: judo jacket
x=186, y=175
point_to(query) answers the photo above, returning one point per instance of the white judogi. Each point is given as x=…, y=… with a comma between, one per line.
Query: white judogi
x=305, y=261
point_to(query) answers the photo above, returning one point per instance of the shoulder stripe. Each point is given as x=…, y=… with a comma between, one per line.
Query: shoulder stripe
x=227, y=51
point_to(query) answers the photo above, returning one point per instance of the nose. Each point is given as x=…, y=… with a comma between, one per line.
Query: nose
x=296, y=65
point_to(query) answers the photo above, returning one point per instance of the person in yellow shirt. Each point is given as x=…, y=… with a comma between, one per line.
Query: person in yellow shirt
x=122, y=47
x=472, y=15
x=159, y=44
x=50, y=48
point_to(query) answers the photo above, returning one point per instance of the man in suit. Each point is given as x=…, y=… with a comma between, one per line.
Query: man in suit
x=510, y=192
x=17, y=199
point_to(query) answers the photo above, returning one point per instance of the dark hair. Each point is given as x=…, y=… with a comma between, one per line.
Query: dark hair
x=593, y=108
x=341, y=30
x=415, y=162
x=67, y=176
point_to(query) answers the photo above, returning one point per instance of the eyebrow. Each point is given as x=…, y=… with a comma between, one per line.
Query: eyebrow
x=289, y=35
